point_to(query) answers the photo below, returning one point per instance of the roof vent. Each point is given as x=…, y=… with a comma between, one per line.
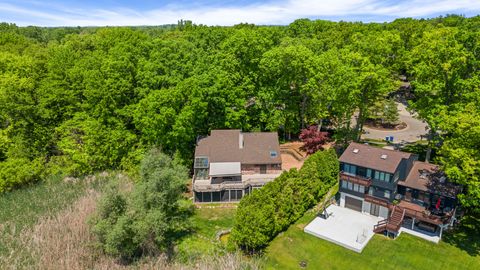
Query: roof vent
x=383, y=156
x=356, y=150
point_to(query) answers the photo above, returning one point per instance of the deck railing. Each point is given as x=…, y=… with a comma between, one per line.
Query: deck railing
x=364, y=181
x=247, y=180
x=375, y=200
x=422, y=216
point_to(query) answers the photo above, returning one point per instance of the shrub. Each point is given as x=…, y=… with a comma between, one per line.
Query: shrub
x=149, y=219
x=15, y=172
x=313, y=139
x=268, y=211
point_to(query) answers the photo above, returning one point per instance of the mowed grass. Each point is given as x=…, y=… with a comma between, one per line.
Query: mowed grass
x=294, y=246
x=207, y=222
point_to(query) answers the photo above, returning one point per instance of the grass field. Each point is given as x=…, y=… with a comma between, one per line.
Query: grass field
x=460, y=251
x=44, y=226
x=207, y=222
x=21, y=209
x=25, y=208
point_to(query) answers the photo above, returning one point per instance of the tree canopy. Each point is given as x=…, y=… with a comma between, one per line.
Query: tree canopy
x=78, y=100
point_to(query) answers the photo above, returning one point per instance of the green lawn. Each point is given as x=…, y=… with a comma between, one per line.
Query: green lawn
x=207, y=222
x=22, y=208
x=405, y=252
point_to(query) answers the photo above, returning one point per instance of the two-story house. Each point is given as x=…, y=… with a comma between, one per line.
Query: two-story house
x=230, y=164
x=395, y=186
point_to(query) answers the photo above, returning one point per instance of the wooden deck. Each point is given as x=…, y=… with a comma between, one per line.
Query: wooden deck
x=419, y=213
x=379, y=201
x=411, y=210
x=355, y=179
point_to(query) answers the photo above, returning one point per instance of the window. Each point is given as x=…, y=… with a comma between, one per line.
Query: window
x=207, y=196
x=353, y=187
x=273, y=154
x=370, y=191
x=201, y=162
x=201, y=174
x=263, y=169
x=369, y=173
x=236, y=195
x=361, y=171
x=350, y=169
x=387, y=194
x=216, y=196
x=382, y=176
x=276, y=166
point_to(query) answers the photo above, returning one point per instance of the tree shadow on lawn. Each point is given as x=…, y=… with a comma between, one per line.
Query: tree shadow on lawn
x=466, y=236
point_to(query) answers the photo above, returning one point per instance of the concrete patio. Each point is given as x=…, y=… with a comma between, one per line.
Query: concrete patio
x=344, y=227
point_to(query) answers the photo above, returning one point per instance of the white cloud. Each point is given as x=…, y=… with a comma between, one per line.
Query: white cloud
x=262, y=13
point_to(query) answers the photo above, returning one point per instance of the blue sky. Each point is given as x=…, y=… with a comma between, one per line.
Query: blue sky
x=211, y=12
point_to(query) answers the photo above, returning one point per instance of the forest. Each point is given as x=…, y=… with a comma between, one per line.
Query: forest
x=74, y=101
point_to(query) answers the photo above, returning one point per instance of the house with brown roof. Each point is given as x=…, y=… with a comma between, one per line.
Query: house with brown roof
x=230, y=164
x=409, y=195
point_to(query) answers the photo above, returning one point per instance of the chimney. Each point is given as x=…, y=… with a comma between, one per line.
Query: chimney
x=383, y=156
x=240, y=140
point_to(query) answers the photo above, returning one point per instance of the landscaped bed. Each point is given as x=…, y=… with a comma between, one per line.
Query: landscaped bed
x=295, y=248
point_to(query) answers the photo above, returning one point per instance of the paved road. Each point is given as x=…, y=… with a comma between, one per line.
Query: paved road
x=412, y=133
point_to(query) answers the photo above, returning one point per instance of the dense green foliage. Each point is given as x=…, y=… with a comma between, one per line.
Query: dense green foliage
x=266, y=212
x=149, y=219
x=18, y=171
x=79, y=100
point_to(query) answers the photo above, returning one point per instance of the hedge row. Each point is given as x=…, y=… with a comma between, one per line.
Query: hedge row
x=268, y=211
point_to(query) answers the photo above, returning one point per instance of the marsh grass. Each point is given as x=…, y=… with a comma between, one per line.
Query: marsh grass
x=22, y=208
x=46, y=226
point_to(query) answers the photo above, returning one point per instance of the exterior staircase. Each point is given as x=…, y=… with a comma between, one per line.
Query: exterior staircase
x=392, y=223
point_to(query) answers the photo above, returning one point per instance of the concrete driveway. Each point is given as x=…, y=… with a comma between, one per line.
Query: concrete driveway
x=344, y=227
x=412, y=133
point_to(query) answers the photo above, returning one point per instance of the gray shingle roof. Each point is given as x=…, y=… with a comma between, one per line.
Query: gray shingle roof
x=224, y=146
x=371, y=157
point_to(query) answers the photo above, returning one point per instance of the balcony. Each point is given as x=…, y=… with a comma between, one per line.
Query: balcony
x=242, y=183
x=360, y=180
x=376, y=200
x=419, y=213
